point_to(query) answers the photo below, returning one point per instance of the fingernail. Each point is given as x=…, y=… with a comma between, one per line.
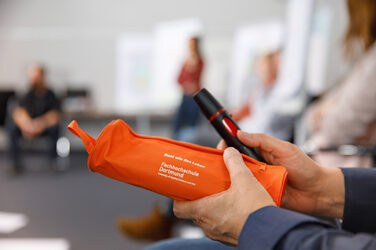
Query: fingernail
x=228, y=151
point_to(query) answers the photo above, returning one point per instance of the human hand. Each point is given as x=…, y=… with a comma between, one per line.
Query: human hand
x=32, y=128
x=241, y=112
x=311, y=188
x=222, y=216
x=27, y=130
x=39, y=125
x=317, y=116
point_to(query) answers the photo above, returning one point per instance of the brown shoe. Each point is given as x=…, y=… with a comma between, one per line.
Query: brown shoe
x=154, y=226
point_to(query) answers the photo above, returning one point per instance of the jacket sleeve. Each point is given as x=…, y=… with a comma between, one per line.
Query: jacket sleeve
x=359, y=214
x=276, y=228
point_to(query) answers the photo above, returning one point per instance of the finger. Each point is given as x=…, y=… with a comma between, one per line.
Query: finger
x=234, y=163
x=186, y=209
x=191, y=209
x=261, y=141
x=222, y=145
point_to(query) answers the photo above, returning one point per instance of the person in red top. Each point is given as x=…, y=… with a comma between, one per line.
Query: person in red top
x=158, y=224
x=189, y=80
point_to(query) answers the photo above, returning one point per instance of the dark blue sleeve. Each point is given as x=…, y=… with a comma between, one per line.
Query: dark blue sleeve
x=267, y=226
x=276, y=228
x=359, y=214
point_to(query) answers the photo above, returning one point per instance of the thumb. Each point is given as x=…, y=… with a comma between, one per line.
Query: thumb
x=235, y=164
x=265, y=143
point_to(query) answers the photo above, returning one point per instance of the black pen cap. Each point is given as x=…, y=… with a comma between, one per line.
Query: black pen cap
x=207, y=103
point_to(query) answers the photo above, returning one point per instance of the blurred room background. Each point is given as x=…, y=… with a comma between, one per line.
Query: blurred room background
x=117, y=59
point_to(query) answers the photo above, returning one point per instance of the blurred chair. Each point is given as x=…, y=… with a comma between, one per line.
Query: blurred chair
x=5, y=96
x=76, y=101
x=348, y=150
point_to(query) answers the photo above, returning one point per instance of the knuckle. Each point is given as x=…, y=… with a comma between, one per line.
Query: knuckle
x=177, y=210
x=229, y=152
x=209, y=235
x=262, y=137
x=290, y=145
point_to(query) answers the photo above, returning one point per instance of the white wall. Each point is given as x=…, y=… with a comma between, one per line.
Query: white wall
x=76, y=38
x=338, y=64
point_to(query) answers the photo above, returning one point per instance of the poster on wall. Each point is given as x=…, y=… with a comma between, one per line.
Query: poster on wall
x=147, y=67
x=133, y=73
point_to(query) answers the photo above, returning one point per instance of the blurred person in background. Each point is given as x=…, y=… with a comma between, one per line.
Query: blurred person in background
x=347, y=114
x=259, y=113
x=37, y=114
x=189, y=79
x=267, y=67
x=158, y=223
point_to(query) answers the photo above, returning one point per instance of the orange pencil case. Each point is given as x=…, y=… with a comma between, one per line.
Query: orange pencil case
x=179, y=170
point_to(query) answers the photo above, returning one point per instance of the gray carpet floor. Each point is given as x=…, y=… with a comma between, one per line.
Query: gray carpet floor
x=77, y=205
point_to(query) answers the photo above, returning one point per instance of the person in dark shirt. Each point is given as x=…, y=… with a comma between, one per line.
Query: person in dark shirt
x=37, y=114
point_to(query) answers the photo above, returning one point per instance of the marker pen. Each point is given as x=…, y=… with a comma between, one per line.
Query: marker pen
x=223, y=123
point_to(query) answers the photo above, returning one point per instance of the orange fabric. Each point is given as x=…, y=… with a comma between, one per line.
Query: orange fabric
x=179, y=170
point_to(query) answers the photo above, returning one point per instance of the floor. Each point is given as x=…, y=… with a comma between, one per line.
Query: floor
x=76, y=205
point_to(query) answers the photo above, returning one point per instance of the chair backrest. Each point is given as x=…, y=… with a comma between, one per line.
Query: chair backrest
x=70, y=93
x=5, y=95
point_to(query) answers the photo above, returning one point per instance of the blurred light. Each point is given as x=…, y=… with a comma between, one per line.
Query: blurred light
x=34, y=244
x=63, y=147
x=11, y=222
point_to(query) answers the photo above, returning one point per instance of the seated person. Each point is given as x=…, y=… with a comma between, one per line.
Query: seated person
x=260, y=112
x=37, y=114
x=347, y=114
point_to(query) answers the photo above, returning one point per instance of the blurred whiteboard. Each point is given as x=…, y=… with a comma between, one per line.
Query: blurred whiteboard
x=318, y=52
x=133, y=73
x=147, y=67
x=250, y=42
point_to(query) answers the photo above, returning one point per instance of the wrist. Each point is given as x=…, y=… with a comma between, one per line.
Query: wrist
x=331, y=198
x=257, y=205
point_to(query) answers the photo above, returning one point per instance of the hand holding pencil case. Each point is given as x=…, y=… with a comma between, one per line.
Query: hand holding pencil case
x=179, y=170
